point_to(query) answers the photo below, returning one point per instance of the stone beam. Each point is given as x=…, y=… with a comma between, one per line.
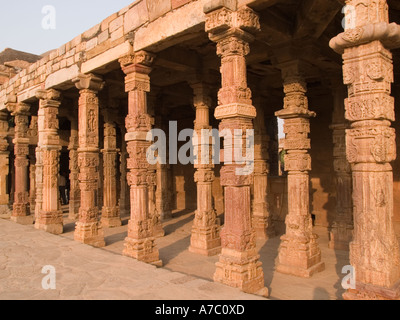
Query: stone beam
x=314, y=16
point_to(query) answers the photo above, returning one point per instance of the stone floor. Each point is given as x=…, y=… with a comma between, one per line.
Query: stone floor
x=83, y=272
x=90, y=273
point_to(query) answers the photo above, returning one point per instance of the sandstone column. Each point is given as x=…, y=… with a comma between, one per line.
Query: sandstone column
x=140, y=243
x=370, y=146
x=261, y=217
x=341, y=232
x=39, y=165
x=33, y=137
x=4, y=163
x=205, y=237
x=88, y=229
x=124, y=204
x=50, y=217
x=299, y=253
x=155, y=214
x=110, y=217
x=239, y=264
x=74, y=192
x=162, y=190
x=20, y=112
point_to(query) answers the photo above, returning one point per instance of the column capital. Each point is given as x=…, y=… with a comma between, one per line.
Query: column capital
x=50, y=94
x=139, y=62
x=88, y=82
x=137, y=68
x=18, y=109
x=366, y=21
x=224, y=21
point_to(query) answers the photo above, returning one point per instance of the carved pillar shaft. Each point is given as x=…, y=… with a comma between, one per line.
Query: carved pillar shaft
x=239, y=264
x=205, y=238
x=370, y=147
x=4, y=162
x=20, y=213
x=49, y=218
x=261, y=217
x=74, y=192
x=163, y=195
x=124, y=202
x=39, y=165
x=140, y=243
x=154, y=213
x=88, y=229
x=110, y=213
x=299, y=253
x=32, y=182
x=341, y=232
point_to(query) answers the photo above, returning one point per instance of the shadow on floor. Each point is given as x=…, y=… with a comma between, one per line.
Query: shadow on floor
x=114, y=238
x=172, y=227
x=174, y=249
x=268, y=255
x=321, y=294
x=340, y=256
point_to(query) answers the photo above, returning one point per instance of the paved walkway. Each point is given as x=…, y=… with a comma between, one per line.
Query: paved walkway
x=83, y=272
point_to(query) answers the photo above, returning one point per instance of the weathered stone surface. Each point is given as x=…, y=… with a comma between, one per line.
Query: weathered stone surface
x=136, y=16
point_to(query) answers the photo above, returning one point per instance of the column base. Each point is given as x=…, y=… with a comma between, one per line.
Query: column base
x=143, y=250
x=340, y=238
x=50, y=228
x=158, y=231
x=110, y=217
x=51, y=222
x=24, y=220
x=371, y=292
x=205, y=241
x=90, y=233
x=263, y=228
x=111, y=222
x=241, y=270
x=73, y=210
x=301, y=259
x=5, y=212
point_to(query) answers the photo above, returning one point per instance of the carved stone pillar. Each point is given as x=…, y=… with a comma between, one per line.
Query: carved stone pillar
x=124, y=204
x=261, y=217
x=88, y=228
x=39, y=165
x=20, y=112
x=239, y=264
x=163, y=200
x=110, y=217
x=140, y=243
x=205, y=237
x=50, y=217
x=370, y=146
x=155, y=214
x=33, y=137
x=74, y=192
x=4, y=163
x=299, y=253
x=32, y=182
x=341, y=232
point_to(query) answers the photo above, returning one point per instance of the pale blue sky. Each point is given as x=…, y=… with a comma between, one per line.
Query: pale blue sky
x=21, y=22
